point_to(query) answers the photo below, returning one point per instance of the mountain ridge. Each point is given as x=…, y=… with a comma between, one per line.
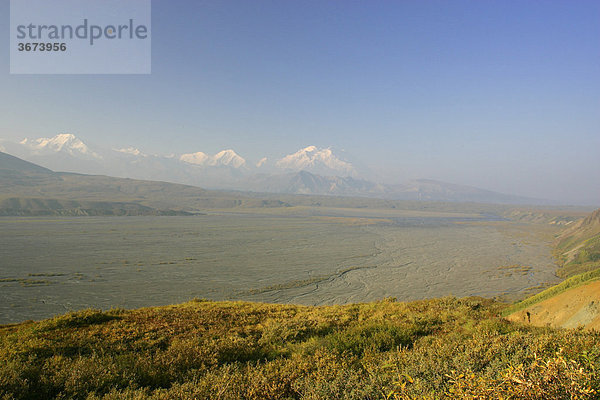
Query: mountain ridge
x=64, y=142
x=223, y=158
x=295, y=173
x=11, y=163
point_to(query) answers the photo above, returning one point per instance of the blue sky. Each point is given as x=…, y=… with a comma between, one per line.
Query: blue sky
x=503, y=95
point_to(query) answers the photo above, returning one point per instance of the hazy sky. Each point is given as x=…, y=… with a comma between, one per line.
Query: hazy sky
x=503, y=95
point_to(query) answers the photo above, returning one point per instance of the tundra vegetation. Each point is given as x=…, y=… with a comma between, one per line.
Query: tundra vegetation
x=440, y=348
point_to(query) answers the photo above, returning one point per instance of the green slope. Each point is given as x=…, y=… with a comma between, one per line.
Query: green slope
x=578, y=247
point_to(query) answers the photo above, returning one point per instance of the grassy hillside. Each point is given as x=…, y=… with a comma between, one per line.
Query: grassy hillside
x=568, y=284
x=442, y=348
x=573, y=308
x=577, y=248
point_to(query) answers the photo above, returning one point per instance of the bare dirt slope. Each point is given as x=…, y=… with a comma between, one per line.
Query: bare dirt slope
x=579, y=306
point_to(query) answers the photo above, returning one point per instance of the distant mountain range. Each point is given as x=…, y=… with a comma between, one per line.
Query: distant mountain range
x=27, y=189
x=225, y=158
x=311, y=171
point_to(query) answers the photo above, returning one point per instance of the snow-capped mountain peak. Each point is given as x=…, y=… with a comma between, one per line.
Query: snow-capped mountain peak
x=198, y=158
x=313, y=159
x=227, y=158
x=261, y=162
x=130, y=151
x=64, y=142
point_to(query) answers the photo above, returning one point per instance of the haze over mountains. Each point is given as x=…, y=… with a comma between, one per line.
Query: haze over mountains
x=311, y=171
